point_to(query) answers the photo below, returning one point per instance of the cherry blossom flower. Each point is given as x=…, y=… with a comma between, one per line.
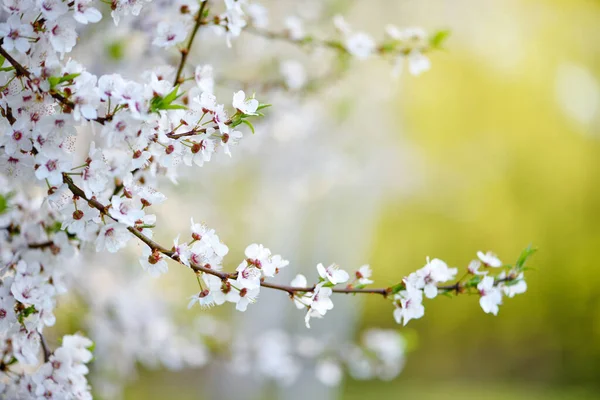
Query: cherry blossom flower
x=489, y=259
x=474, y=266
x=153, y=262
x=427, y=278
x=301, y=300
x=332, y=274
x=519, y=286
x=52, y=167
x=248, y=275
x=244, y=106
x=363, y=274
x=112, y=237
x=16, y=34
x=411, y=305
x=246, y=296
x=84, y=12
x=125, y=210
x=204, y=299
x=62, y=35
x=52, y=9
x=204, y=78
x=360, y=45
x=169, y=34
x=320, y=303
x=491, y=295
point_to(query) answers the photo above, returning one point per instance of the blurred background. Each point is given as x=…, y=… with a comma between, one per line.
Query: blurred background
x=494, y=148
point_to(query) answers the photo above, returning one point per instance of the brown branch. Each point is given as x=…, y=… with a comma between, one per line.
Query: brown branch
x=225, y=275
x=194, y=132
x=41, y=245
x=45, y=348
x=186, y=51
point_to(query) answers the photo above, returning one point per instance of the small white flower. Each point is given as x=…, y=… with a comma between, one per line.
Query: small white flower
x=62, y=35
x=360, y=45
x=153, y=262
x=16, y=34
x=320, y=303
x=51, y=168
x=246, y=296
x=474, y=266
x=168, y=35
x=182, y=251
x=518, y=287
x=248, y=275
x=125, y=211
x=240, y=103
x=363, y=274
x=84, y=13
x=204, y=78
x=411, y=305
x=427, y=278
x=418, y=63
x=112, y=237
x=489, y=259
x=332, y=273
x=491, y=296
x=301, y=300
x=204, y=299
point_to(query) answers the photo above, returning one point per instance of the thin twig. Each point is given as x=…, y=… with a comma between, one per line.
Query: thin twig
x=45, y=348
x=186, y=51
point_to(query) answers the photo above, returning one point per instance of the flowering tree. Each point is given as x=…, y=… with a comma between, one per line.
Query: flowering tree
x=56, y=204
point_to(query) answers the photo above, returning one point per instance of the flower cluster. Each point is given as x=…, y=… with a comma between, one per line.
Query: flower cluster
x=408, y=297
x=81, y=157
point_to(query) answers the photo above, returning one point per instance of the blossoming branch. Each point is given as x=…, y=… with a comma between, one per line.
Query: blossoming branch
x=145, y=129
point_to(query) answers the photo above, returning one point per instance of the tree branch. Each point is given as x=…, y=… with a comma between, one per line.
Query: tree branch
x=233, y=275
x=45, y=348
x=186, y=51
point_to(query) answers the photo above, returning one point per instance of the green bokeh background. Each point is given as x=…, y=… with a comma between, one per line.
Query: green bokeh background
x=503, y=166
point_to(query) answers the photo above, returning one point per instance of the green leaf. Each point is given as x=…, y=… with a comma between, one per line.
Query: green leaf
x=525, y=255
x=398, y=288
x=438, y=38
x=245, y=121
x=164, y=103
x=261, y=106
x=473, y=282
x=169, y=98
x=54, y=228
x=2, y=59
x=57, y=80
x=26, y=313
x=7, y=69
x=174, y=107
x=3, y=204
